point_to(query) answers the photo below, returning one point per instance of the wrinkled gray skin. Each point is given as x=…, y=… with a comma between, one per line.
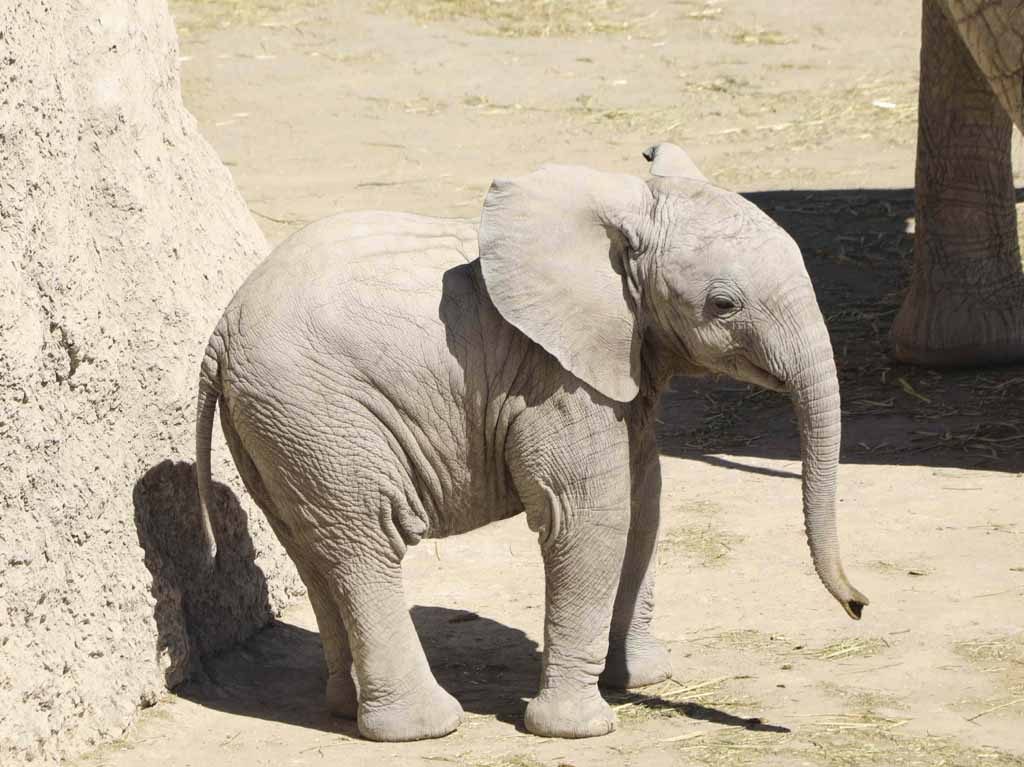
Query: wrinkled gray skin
x=965, y=305
x=380, y=383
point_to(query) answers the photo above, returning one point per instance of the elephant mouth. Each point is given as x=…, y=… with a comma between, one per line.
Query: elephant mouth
x=747, y=371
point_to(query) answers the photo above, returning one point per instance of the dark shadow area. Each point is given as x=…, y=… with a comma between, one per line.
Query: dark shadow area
x=279, y=674
x=488, y=666
x=199, y=608
x=694, y=711
x=765, y=471
x=859, y=257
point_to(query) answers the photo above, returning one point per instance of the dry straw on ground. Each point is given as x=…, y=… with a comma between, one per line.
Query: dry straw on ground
x=702, y=539
x=524, y=18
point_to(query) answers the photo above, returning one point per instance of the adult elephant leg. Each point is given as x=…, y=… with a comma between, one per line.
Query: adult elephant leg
x=991, y=30
x=635, y=657
x=965, y=305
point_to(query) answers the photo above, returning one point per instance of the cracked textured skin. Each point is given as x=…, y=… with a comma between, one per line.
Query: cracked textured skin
x=386, y=377
x=965, y=305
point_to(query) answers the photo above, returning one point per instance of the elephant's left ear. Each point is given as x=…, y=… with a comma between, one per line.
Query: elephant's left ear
x=552, y=245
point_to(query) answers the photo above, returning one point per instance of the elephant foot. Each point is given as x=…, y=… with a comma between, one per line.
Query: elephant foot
x=580, y=714
x=958, y=329
x=636, y=661
x=428, y=712
x=342, y=697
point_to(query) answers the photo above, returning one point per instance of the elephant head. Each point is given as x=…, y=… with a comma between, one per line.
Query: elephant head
x=627, y=283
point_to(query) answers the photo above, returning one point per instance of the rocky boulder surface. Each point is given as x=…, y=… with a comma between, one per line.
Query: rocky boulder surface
x=122, y=237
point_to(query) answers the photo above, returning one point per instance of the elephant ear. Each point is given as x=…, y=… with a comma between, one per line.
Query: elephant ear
x=671, y=160
x=552, y=250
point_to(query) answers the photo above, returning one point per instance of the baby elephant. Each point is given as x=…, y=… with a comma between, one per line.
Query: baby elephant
x=386, y=377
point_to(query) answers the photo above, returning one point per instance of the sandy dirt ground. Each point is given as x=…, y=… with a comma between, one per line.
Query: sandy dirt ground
x=808, y=107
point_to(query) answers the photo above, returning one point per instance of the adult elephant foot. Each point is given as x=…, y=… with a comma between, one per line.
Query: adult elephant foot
x=966, y=300
x=636, y=661
x=961, y=328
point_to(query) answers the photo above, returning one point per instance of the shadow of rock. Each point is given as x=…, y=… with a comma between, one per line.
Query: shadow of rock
x=199, y=608
x=277, y=675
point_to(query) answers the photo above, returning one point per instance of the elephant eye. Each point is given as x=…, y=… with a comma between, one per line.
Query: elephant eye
x=723, y=304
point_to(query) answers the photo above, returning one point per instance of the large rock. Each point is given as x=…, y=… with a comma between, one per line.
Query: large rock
x=121, y=239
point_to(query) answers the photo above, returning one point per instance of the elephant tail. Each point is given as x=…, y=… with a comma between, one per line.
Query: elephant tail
x=206, y=405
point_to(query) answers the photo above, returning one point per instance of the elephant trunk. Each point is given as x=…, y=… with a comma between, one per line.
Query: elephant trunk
x=814, y=389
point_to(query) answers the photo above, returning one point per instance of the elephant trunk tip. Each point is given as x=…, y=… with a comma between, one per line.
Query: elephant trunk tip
x=854, y=603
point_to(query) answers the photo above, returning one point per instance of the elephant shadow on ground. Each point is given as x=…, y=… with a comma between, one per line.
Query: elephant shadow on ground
x=859, y=254
x=199, y=608
x=491, y=668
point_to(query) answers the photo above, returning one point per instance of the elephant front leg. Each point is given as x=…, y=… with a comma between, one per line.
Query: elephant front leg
x=635, y=657
x=581, y=567
x=575, y=490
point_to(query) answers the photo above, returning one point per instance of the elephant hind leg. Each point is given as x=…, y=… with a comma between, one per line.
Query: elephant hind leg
x=399, y=699
x=344, y=525
x=246, y=466
x=342, y=696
